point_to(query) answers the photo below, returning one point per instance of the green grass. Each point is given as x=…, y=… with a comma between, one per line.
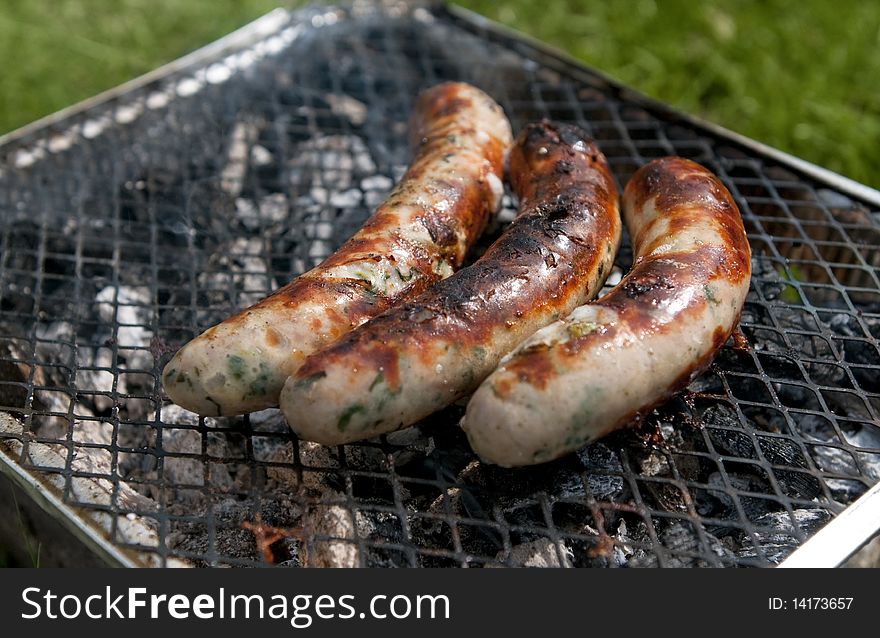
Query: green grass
x=801, y=76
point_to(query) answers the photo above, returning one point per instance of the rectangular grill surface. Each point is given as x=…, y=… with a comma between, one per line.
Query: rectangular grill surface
x=132, y=224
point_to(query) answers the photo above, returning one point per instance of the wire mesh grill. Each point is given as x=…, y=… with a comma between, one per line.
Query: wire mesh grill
x=128, y=228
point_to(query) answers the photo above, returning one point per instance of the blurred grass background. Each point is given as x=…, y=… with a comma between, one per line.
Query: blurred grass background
x=798, y=75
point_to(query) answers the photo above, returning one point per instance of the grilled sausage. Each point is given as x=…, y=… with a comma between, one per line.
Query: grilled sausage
x=613, y=360
x=418, y=357
x=417, y=236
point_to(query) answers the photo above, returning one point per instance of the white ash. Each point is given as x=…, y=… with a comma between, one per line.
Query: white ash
x=319, y=250
x=239, y=267
x=542, y=552
x=376, y=189
x=778, y=538
x=680, y=539
x=346, y=199
x=867, y=436
x=615, y=277
x=623, y=549
x=90, y=378
x=655, y=464
x=335, y=160
x=92, y=431
x=397, y=172
x=129, y=527
x=601, y=465
x=354, y=110
x=377, y=183
x=334, y=531
x=55, y=344
x=181, y=471
x=507, y=211
x=844, y=491
x=834, y=460
x=244, y=134
x=270, y=210
x=129, y=309
x=261, y=156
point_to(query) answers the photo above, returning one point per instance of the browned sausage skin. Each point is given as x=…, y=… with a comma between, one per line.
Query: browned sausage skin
x=418, y=357
x=619, y=357
x=419, y=235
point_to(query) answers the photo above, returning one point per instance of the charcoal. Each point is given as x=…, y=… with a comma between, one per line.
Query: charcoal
x=684, y=548
x=129, y=309
x=776, y=536
x=343, y=161
x=94, y=374
x=243, y=136
x=834, y=460
x=857, y=350
x=866, y=436
x=538, y=553
x=159, y=214
x=845, y=491
x=752, y=507
x=783, y=452
x=766, y=278
x=238, y=266
x=334, y=545
x=777, y=451
x=270, y=212
x=13, y=375
x=261, y=156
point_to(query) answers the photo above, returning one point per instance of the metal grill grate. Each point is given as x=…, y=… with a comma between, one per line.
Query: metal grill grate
x=129, y=226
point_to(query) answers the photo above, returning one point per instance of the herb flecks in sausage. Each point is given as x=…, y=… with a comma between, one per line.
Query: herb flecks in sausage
x=419, y=235
x=554, y=256
x=611, y=361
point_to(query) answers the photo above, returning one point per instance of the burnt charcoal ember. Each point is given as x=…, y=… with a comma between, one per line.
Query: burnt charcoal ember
x=603, y=472
x=684, y=548
x=720, y=420
x=383, y=526
x=779, y=451
x=230, y=536
x=845, y=491
x=857, y=350
x=334, y=543
x=237, y=275
x=766, y=277
x=244, y=135
x=376, y=189
x=333, y=164
x=127, y=312
x=538, y=553
x=402, y=447
x=94, y=375
x=777, y=538
x=267, y=214
x=867, y=437
x=753, y=508
x=14, y=373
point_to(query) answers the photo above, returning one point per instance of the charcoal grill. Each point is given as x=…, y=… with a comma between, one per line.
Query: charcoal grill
x=131, y=222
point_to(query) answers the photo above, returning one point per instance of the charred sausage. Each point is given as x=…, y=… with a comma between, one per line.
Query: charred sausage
x=418, y=357
x=610, y=361
x=419, y=235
